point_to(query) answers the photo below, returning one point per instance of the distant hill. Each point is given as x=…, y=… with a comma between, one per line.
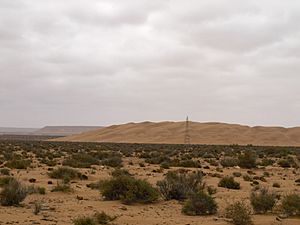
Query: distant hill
x=64, y=130
x=16, y=131
x=200, y=133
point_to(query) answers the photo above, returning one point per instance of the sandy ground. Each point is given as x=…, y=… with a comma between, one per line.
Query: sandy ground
x=62, y=208
x=200, y=133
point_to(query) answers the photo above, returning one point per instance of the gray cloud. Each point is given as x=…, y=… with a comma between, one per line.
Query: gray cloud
x=105, y=62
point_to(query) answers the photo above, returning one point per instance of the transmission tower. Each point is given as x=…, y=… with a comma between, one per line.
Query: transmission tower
x=187, y=137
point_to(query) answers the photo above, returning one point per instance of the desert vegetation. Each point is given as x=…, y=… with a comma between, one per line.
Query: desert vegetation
x=86, y=183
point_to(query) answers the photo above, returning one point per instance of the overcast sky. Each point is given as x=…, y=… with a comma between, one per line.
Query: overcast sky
x=100, y=62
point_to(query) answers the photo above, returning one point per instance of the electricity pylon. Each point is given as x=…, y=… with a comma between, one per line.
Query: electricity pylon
x=187, y=137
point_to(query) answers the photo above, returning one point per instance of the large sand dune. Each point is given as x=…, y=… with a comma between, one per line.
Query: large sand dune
x=200, y=133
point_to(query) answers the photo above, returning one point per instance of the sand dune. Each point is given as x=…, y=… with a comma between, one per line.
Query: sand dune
x=64, y=130
x=200, y=133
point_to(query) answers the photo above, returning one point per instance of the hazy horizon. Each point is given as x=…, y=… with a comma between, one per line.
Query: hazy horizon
x=112, y=62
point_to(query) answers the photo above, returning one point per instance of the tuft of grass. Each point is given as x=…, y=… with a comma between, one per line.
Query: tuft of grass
x=13, y=193
x=62, y=187
x=291, y=204
x=262, y=200
x=239, y=214
x=179, y=185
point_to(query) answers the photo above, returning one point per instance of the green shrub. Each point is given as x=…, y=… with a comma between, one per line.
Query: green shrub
x=179, y=185
x=13, y=193
x=229, y=162
x=267, y=162
x=262, y=200
x=18, y=164
x=103, y=218
x=247, y=160
x=114, y=161
x=239, y=214
x=5, y=171
x=229, y=182
x=237, y=174
x=120, y=172
x=129, y=190
x=81, y=160
x=97, y=219
x=291, y=204
x=84, y=221
x=165, y=165
x=62, y=187
x=247, y=178
x=200, y=204
x=284, y=163
x=36, y=190
x=65, y=173
x=5, y=180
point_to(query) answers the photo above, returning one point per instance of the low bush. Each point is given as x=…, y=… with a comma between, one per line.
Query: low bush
x=114, y=161
x=97, y=219
x=62, y=187
x=18, y=164
x=262, y=200
x=229, y=162
x=81, y=160
x=128, y=190
x=247, y=178
x=229, y=182
x=120, y=172
x=84, y=221
x=276, y=185
x=291, y=204
x=103, y=218
x=179, y=185
x=13, y=193
x=247, y=160
x=200, y=204
x=5, y=171
x=5, y=180
x=239, y=214
x=66, y=174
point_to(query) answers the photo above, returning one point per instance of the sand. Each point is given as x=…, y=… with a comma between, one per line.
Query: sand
x=200, y=133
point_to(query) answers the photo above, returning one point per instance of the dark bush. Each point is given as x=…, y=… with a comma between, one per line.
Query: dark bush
x=128, y=190
x=103, y=218
x=229, y=162
x=13, y=193
x=247, y=160
x=5, y=180
x=66, y=173
x=120, y=172
x=81, y=160
x=284, y=163
x=262, y=200
x=179, y=185
x=229, y=182
x=200, y=204
x=114, y=161
x=5, y=171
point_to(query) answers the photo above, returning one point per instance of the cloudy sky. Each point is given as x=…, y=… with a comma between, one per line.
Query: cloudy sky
x=100, y=62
